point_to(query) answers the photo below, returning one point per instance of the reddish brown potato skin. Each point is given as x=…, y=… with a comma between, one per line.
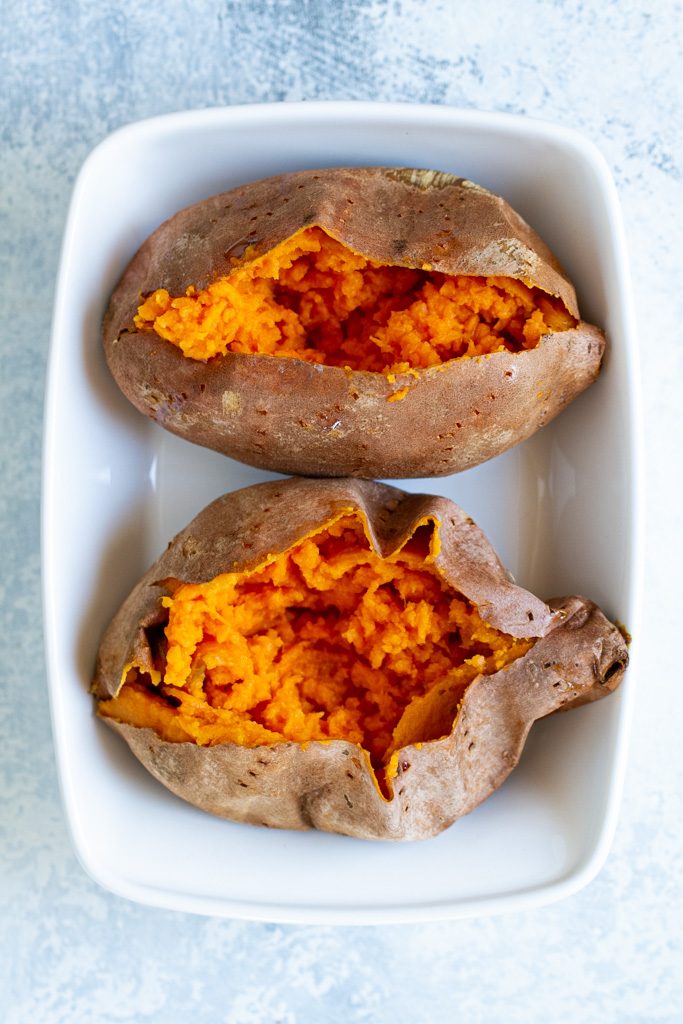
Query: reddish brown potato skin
x=297, y=417
x=579, y=656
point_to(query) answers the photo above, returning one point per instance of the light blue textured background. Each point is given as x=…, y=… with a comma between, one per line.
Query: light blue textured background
x=72, y=72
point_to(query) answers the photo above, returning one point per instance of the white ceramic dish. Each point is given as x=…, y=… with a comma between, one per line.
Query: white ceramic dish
x=562, y=510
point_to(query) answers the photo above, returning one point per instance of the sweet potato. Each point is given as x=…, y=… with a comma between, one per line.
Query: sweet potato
x=369, y=322
x=342, y=655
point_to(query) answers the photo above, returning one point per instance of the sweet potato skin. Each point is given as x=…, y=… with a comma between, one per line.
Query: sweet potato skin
x=317, y=420
x=579, y=656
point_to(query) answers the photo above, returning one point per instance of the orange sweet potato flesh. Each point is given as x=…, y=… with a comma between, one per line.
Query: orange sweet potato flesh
x=341, y=655
x=326, y=641
x=314, y=299
x=350, y=322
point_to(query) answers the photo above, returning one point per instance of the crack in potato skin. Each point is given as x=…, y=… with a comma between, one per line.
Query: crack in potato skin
x=312, y=298
x=327, y=641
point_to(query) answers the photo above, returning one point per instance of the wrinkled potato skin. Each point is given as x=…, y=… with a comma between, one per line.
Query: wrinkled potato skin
x=579, y=656
x=296, y=417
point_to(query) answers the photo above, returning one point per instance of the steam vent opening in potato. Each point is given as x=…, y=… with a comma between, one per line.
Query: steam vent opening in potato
x=342, y=655
x=309, y=323
x=312, y=298
x=327, y=641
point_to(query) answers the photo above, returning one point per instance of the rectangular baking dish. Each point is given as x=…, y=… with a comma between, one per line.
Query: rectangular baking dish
x=562, y=509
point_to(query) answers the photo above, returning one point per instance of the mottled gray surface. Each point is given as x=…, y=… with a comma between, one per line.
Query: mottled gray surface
x=70, y=73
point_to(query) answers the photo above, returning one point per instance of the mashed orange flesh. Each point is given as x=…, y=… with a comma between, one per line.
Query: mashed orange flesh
x=327, y=641
x=312, y=298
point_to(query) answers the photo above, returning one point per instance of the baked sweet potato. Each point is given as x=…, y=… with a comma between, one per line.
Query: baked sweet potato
x=365, y=322
x=342, y=655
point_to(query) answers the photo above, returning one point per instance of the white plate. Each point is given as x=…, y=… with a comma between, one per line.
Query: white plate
x=562, y=510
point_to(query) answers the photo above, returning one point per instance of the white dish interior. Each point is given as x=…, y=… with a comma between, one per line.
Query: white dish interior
x=561, y=510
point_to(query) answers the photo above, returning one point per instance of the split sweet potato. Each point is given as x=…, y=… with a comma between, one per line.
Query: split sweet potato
x=342, y=655
x=371, y=322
